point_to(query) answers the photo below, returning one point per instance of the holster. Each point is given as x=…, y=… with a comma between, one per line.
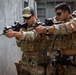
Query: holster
x=20, y=67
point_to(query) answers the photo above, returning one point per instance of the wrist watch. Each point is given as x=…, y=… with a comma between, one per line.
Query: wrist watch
x=47, y=28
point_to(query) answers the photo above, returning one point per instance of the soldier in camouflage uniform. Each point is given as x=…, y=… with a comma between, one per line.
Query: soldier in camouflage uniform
x=36, y=47
x=65, y=39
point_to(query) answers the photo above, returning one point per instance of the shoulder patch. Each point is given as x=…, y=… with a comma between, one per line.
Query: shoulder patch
x=71, y=26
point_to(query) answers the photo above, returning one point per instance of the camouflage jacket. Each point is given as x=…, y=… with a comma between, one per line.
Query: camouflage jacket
x=66, y=35
x=31, y=41
x=36, y=47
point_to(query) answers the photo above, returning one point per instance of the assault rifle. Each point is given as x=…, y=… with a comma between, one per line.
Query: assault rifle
x=48, y=22
x=17, y=25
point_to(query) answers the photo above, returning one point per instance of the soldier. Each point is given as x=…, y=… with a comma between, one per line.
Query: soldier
x=25, y=40
x=64, y=41
x=35, y=47
x=62, y=11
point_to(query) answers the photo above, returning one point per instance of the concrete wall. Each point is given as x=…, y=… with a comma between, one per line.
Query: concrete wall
x=10, y=11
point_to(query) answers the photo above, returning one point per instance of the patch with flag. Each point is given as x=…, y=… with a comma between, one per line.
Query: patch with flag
x=71, y=26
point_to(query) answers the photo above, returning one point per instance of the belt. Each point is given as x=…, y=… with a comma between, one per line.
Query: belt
x=68, y=52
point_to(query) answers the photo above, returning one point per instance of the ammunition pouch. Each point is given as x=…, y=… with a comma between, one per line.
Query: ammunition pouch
x=30, y=58
x=43, y=58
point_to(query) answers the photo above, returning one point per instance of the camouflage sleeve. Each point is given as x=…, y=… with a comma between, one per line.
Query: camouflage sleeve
x=28, y=35
x=65, y=28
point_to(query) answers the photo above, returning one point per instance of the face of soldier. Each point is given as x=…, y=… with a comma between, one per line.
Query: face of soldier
x=29, y=20
x=61, y=15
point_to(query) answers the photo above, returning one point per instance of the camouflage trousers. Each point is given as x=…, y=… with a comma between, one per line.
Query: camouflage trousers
x=69, y=70
x=61, y=70
x=23, y=69
x=30, y=65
